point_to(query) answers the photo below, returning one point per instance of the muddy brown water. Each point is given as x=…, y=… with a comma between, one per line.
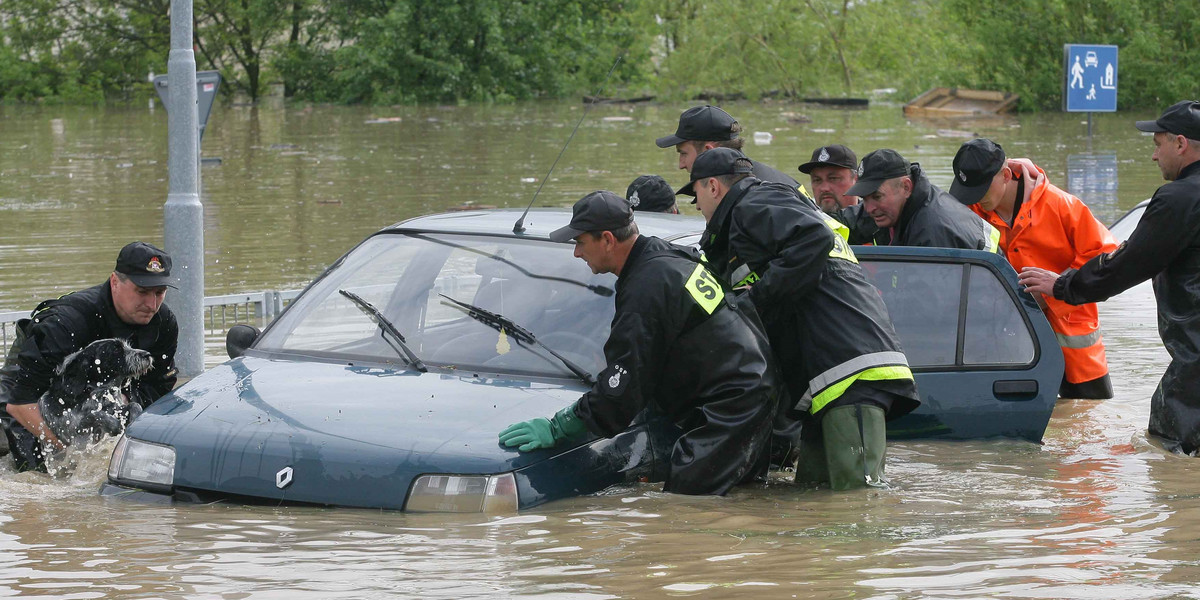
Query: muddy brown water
x=1095, y=511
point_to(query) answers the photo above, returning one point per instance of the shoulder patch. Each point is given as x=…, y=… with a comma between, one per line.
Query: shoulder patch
x=614, y=380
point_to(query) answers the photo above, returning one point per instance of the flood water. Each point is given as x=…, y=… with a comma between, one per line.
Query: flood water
x=1095, y=511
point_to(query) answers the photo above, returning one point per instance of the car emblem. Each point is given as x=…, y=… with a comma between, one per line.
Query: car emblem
x=824, y=155
x=283, y=478
x=154, y=266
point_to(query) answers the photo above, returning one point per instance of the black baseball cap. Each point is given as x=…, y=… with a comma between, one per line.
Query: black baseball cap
x=836, y=155
x=976, y=163
x=715, y=162
x=1183, y=118
x=701, y=123
x=876, y=168
x=598, y=211
x=650, y=193
x=145, y=265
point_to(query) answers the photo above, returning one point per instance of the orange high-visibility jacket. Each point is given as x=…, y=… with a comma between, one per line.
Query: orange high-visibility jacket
x=1055, y=230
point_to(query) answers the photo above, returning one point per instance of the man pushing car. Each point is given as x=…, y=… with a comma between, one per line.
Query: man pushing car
x=678, y=346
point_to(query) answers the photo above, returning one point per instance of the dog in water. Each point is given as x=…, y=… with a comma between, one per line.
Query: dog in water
x=85, y=401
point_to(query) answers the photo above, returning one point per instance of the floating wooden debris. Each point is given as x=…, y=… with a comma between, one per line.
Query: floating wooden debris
x=959, y=102
x=606, y=100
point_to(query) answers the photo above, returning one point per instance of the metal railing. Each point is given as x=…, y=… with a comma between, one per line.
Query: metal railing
x=220, y=312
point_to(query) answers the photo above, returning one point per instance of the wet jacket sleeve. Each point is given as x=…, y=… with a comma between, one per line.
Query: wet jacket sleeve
x=1089, y=237
x=635, y=350
x=786, y=246
x=50, y=338
x=1166, y=229
x=162, y=376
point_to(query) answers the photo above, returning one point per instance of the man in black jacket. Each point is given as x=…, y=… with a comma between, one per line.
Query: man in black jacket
x=828, y=326
x=677, y=346
x=915, y=212
x=127, y=306
x=1166, y=246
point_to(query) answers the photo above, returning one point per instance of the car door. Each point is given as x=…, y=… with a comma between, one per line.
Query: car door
x=985, y=359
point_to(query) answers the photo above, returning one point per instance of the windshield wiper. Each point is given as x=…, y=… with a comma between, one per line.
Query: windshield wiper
x=387, y=327
x=503, y=323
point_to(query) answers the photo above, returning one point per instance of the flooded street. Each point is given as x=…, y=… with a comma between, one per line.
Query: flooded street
x=1094, y=512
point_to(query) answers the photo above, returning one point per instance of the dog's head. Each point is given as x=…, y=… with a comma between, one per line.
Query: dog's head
x=101, y=364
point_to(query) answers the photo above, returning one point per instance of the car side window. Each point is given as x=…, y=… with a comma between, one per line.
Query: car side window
x=940, y=327
x=923, y=300
x=995, y=332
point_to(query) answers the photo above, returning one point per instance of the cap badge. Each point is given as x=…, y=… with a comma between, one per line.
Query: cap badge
x=963, y=176
x=154, y=266
x=824, y=156
x=860, y=169
x=634, y=201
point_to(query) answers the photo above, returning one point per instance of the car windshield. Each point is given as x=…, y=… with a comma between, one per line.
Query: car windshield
x=538, y=285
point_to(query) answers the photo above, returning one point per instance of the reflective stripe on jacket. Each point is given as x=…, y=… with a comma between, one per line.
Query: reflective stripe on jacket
x=1055, y=230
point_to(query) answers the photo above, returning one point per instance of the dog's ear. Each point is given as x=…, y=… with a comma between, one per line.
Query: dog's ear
x=73, y=373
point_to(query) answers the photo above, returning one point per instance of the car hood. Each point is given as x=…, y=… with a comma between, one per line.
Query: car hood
x=353, y=435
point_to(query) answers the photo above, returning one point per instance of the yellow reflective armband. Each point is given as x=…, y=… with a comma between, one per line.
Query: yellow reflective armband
x=704, y=289
x=842, y=250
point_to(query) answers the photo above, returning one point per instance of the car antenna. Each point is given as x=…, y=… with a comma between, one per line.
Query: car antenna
x=519, y=226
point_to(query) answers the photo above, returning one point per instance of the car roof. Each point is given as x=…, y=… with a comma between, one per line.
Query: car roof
x=539, y=223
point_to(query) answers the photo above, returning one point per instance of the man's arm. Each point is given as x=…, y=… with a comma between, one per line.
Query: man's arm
x=52, y=336
x=634, y=350
x=30, y=416
x=1168, y=227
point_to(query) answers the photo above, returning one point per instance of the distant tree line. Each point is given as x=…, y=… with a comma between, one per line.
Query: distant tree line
x=407, y=51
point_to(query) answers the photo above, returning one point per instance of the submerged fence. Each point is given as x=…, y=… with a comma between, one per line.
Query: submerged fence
x=220, y=312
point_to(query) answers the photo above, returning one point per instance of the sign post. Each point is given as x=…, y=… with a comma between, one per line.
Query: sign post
x=183, y=214
x=1089, y=79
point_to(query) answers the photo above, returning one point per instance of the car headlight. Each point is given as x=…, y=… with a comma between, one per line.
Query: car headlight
x=143, y=464
x=463, y=493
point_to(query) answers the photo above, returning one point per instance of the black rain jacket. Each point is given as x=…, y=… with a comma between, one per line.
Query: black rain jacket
x=679, y=347
x=1166, y=246
x=932, y=217
x=828, y=325
x=61, y=327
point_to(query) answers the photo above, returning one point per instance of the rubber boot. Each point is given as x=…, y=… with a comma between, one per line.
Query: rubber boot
x=811, y=466
x=855, y=446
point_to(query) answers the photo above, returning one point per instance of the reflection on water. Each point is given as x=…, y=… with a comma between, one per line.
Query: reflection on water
x=1096, y=511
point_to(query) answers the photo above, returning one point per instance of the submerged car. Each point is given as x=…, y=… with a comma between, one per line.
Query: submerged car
x=385, y=383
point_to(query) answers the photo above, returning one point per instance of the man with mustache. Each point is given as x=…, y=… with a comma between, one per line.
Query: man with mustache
x=832, y=171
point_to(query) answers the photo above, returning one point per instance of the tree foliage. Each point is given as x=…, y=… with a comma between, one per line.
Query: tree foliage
x=400, y=51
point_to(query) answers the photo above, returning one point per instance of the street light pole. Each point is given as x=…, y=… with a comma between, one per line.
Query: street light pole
x=183, y=214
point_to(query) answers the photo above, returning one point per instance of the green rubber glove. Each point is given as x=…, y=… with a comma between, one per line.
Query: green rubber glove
x=528, y=435
x=540, y=433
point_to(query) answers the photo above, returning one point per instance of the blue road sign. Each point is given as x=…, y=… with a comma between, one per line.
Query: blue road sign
x=1090, y=78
